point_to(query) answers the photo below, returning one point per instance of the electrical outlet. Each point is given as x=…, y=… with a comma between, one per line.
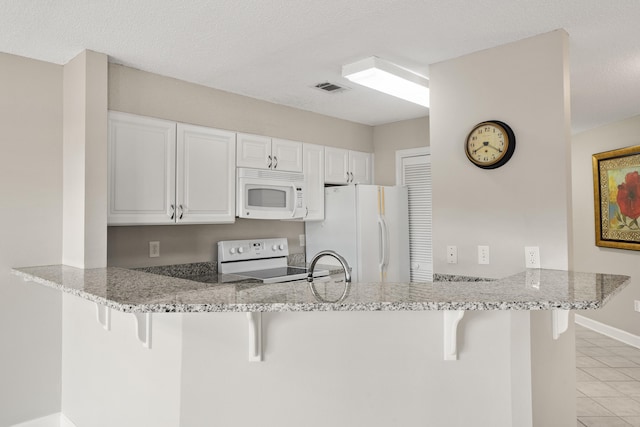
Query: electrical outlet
x=483, y=254
x=452, y=254
x=636, y=305
x=532, y=257
x=302, y=241
x=154, y=249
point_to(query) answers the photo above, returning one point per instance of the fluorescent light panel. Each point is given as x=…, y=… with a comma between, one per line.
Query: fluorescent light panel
x=389, y=78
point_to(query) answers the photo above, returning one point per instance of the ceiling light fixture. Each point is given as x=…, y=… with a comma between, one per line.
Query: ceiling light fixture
x=389, y=78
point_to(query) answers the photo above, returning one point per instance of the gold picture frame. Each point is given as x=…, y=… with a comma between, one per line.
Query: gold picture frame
x=616, y=188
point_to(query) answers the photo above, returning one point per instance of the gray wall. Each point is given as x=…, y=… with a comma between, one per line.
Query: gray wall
x=524, y=203
x=148, y=94
x=619, y=312
x=388, y=138
x=31, y=234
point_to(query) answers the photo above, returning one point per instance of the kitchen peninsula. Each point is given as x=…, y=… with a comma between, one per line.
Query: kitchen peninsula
x=503, y=362
x=136, y=291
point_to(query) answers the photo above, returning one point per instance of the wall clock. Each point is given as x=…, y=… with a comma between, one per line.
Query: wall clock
x=490, y=144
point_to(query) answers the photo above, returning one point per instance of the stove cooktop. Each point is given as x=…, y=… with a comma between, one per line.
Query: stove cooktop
x=281, y=274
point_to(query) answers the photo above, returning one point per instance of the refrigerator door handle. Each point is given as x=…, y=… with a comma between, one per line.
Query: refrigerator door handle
x=381, y=245
x=386, y=243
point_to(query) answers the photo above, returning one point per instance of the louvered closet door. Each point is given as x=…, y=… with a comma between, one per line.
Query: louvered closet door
x=416, y=174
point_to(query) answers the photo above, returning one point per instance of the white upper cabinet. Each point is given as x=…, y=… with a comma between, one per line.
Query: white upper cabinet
x=254, y=151
x=360, y=167
x=347, y=166
x=314, y=181
x=262, y=152
x=141, y=170
x=286, y=155
x=205, y=175
x=161, y=172
x=336, y=165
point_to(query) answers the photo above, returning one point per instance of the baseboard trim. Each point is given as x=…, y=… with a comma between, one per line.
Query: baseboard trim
x=610, y=331
x=65, y=422
x=53, y=420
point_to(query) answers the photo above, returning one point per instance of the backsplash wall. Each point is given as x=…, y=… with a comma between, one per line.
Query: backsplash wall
x=181, y=244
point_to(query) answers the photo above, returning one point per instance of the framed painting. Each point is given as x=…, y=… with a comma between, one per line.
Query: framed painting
x=616, y=188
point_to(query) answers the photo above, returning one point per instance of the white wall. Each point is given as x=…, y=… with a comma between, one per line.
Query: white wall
x=619, y=312
x=31, y=234
x=341, y=369
x=85, y=169
x=110, y=379
x=147, y=94
x=345, y=369
x=524, y=203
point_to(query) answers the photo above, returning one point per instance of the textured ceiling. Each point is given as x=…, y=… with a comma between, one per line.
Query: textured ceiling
x=277, y=50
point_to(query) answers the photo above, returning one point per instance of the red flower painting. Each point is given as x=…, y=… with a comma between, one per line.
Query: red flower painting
x=616, y=192
x=629, y=196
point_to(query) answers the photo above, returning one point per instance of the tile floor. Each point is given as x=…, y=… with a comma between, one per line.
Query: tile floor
x=607, y=381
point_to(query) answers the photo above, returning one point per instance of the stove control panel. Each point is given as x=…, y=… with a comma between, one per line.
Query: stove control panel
x=242, y=250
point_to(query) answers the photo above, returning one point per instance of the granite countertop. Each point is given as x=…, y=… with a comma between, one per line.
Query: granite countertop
x=142, y=292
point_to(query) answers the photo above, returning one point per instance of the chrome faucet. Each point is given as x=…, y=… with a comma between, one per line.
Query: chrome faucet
x=340, y=258
x=347, y=276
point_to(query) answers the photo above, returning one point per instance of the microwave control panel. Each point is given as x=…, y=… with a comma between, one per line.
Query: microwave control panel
x=299, y=198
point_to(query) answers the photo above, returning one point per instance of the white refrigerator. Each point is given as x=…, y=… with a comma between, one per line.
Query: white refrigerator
x=369, y=226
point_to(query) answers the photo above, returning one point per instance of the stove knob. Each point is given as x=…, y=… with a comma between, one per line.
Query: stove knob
x=232, y=250
x=274, y=247
x=281, y=247
x=240, y=250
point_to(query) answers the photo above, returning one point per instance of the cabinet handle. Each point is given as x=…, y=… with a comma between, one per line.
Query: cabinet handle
x=351, y=176
x=275, y=162
x=173, y=212
x=181, y=211
x=307, y=213
x=348, y=177
x=269, y=165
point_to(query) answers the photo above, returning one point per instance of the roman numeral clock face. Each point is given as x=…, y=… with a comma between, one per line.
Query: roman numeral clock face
x=490, y=144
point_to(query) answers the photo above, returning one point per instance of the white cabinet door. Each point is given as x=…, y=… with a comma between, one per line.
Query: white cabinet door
x=347, y=167
x=314, y=181
x=360, y=167
x=336, y=165
x=286, y=155
x=205, y=175
x=254, y=151
x=141, y=174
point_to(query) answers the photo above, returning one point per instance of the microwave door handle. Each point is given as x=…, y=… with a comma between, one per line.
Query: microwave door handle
x=295, y=201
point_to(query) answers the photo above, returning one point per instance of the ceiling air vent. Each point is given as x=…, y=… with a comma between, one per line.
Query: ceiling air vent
x=330, y=87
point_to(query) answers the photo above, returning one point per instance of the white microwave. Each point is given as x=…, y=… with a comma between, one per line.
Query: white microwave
x=269, y=194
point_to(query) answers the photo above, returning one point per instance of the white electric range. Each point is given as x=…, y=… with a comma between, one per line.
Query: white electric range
x=262, y=259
